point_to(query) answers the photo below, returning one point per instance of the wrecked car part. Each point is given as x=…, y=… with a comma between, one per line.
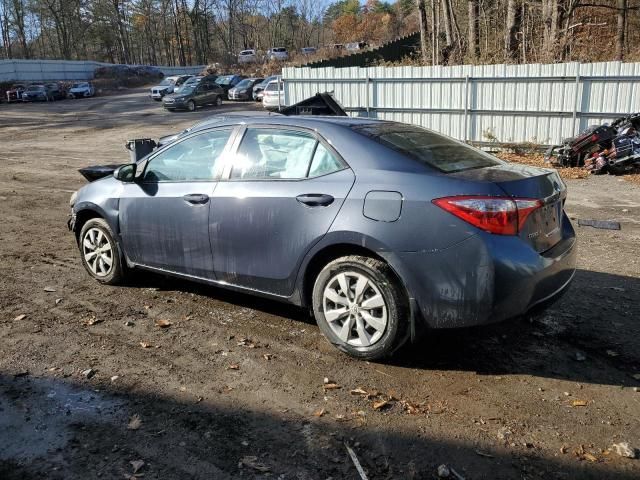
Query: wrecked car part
x=603, y=148
x=603, y=224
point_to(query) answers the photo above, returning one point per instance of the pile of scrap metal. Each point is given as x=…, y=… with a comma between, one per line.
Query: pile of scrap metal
x=602, y=148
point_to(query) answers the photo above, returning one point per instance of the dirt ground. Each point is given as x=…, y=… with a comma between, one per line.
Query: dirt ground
x=91, y=387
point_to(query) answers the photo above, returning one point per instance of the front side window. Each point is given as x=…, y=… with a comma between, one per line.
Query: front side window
x=269, y=153
x=437, y=151
x=194, y=159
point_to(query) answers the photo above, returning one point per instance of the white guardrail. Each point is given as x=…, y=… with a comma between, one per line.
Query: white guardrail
x=487, y=103
x=45, y=70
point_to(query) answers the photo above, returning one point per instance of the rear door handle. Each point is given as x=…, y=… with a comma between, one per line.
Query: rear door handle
x=315, y=199
x=196, y=198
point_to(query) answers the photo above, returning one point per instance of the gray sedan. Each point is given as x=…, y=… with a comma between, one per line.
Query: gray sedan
x=382, y=229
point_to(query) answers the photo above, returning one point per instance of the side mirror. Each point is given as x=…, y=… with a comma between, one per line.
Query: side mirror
x=126, y=173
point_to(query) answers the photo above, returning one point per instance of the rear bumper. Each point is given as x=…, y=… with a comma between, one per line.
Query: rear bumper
x=487, y=278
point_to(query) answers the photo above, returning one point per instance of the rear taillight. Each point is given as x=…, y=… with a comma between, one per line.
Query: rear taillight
x=499, y=215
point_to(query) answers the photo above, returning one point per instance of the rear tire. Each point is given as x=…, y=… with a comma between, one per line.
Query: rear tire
x=100, y=252
x=360, y=307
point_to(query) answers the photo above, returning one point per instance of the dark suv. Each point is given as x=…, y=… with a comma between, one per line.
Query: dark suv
x=188, y=97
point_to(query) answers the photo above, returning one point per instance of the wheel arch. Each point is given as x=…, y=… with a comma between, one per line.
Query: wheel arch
x=321, y=257
x=85, y=212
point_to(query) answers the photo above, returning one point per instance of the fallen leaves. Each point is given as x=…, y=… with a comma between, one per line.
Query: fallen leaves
x=137, y=465
x=579, y=403
x=267, y=356
x=233, y=366
x=49, y=289
x=134, y=422
x=91, y=321
x=246, y=342
x=148, y=345
x=483, y=454
x=161, y=323
x=20, y=317
x=358, y=391
x=380, y=404
x=331, y=386
x=319, y=413
x=252, y=462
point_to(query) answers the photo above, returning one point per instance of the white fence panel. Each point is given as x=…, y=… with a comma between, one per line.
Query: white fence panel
x=504, y=103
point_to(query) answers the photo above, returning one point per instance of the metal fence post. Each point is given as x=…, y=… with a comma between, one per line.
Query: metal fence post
x=279, y=94
x=466, y=108
x=367, y=89
x=575, y=103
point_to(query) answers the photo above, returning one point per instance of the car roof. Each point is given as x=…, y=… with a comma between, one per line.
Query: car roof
x=270, y=118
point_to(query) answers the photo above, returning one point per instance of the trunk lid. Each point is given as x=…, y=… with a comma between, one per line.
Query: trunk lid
x=543, y=228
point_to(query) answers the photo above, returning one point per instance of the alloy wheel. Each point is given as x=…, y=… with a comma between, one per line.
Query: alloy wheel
x=98, y=252
x=355, y=309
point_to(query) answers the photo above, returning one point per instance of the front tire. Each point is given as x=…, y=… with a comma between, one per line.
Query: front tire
x=100, y=252
x=191, y=106
x=218, y=101
x=361, y=307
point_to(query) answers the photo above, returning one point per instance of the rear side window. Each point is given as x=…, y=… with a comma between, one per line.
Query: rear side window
x=437, y=151
x=269, y=153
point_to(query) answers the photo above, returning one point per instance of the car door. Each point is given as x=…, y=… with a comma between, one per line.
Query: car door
x=164, y=215
x=200, y=94
x=278, y=197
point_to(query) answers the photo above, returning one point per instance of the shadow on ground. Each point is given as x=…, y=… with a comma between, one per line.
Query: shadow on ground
x=596, y=318
x=67, y=429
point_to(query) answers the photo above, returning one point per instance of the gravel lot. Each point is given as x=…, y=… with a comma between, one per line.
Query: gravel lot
x=233, y=388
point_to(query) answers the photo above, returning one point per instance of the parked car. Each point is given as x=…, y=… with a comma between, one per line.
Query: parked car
x=189, y=97
x=168, y=85
x=82, y=89
x=272, y=98
x=277, y=53
x=308, y=50
x=227, y=82
x=14, y=94
x=244, y=89
x=355, y=46
x=259, y=88
x=43, y=93
x=247, y=56
x=381, y=228
x=197, y=79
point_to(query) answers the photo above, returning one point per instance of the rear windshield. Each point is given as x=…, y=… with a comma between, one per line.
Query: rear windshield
x=224, y=80
x=437, y=151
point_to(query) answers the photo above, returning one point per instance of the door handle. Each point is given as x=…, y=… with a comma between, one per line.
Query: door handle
x=315, y=199
x=196, y=198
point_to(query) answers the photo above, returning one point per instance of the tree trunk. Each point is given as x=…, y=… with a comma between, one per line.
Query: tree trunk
x=435, y=56
x=512, y=27
x=474, y=29
x=448, y=30
x=550, y=19
x=422, y=15
x=622, y=20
